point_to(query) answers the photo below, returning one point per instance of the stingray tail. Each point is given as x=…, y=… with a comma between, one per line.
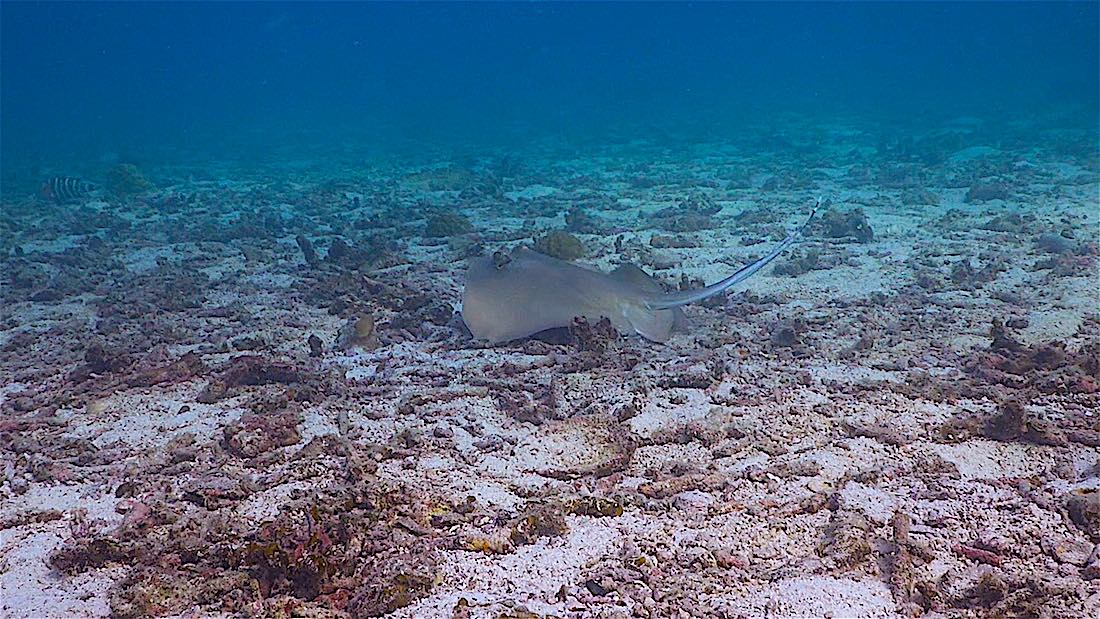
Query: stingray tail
x=676, y=299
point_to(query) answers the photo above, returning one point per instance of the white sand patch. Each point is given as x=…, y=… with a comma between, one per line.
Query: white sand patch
x=980, y=459
x=662, y=414
x=150, y=418
x=531, y=192
x=28, y=586
x=874, y=503
x=817, y=596
x=530, y=576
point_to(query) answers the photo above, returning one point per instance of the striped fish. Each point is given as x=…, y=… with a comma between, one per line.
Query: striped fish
x=65, y=189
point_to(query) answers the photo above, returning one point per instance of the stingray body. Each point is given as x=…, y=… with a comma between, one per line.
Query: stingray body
x=533, y=292
x=530, y=292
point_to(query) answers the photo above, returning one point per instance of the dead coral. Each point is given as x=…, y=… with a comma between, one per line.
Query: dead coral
x=543, y=520
x=595, y=338
x=343, y=548
x=366, y=254
x=1055, y=243
x=967, y=277
x=799, y=263
x=580, y=221
x=846, y=540
x=692, y=213
x=1078, y=261
x=787, y=334
x=1083, y=507
x=308, y=253
x=88, y=554
x=255, y=434
x=1013, y=422
x=253, y=370
x=355, y=545
x=1047, y=368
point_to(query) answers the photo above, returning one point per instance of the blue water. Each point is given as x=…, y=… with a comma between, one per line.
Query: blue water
x=90, y=82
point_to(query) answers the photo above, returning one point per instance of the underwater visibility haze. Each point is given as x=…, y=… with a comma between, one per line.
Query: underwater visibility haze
x=549, y=309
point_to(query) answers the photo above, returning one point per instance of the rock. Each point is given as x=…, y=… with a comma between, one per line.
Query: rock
x=1084, y=510
x=308, y=252
x=657, y=260
x=19, y=485
x=580, y=221
x=1011, y=222
x=982, y=192
x=661, y=241
x=596, y=588
x=1092, y=568
x=786, y=333
x=1054, y=243
x=1074, y=551
x=359, y=331
x=848, y=224
x=315, y=346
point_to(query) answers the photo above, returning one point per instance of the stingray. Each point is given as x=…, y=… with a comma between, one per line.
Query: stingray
x=512, y=297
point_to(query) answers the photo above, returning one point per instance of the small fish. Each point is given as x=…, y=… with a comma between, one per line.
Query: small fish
x=65, y=189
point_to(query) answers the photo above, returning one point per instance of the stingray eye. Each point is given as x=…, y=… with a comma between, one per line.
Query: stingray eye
x=500, y=259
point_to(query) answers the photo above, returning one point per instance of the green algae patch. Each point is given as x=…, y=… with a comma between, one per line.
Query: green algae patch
x=125, y=179
x=442, y=224
x=561, y=245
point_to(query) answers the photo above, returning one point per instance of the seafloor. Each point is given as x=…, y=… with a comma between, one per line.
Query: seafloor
x=242, y=389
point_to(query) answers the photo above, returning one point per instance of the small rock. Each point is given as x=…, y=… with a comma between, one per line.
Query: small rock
x=595, y=588
x=308, y=252
x=1092, y=569
x=1068, y=550
x=764, y=552
x=727, y=559
x=492, y=442
x=692, y=500
x=661, y=241
x=19, y=485
x=1084, y=510
x=981, y=192
x=315, y=347
x=1054, y=243
x=849, y=224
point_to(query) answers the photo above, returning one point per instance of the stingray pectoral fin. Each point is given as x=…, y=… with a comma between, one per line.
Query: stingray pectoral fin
x=677, y=299
x=654, y=325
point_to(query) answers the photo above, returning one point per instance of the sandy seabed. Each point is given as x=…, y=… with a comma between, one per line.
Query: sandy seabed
x=247, y=392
